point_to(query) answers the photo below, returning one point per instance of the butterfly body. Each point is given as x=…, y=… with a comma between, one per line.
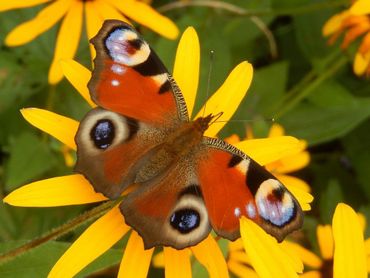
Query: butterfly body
x=179, y=143
x=186, y=183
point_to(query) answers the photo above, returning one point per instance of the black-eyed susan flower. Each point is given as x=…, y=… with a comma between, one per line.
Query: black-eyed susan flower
x=343, y=251
x=110, y=228
x=353, y=23
x=72, y=12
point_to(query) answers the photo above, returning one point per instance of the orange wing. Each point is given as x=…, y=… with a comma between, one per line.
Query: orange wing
x=130, y=79
x=233, y=185
x=169, y=209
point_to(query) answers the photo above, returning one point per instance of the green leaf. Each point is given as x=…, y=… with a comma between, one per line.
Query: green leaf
x=284, y=4
x=357, y=146
x=29, y=158
x=268, y=86
x=329, y=200
x=309, y=36
x=330, y=113
x=39, y=261
x=260, y=101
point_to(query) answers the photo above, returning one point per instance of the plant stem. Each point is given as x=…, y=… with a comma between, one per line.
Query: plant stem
x=50, y=98
x=59, y=231
x=312, y=83
x=220, y=5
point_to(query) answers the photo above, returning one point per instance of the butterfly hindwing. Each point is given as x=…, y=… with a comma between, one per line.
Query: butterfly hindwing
x=234, y=185
x=131, y=80
x=169, y=210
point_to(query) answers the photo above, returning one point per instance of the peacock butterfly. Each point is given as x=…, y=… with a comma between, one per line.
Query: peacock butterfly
x=186, y=183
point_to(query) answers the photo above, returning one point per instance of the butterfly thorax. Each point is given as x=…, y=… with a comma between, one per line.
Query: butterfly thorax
x=177, y=145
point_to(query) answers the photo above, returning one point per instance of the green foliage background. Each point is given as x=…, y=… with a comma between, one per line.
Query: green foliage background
x=308, y=87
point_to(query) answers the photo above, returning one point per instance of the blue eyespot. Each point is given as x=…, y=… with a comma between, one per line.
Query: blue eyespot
x=185, y=220
x=102, y=134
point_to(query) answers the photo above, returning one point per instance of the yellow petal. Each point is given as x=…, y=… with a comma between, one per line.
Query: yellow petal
x=304, y=198
x=235, y=245
x=293, y=182
x=62, y=128
x=308, y=258
x=266, y=255
x=290, y=163
x=361, y=63
x=326, y=241
x=69, y=159
x=59, y=191
x=276, y=130
x=349, y=251
x=232, y=139
x=209, y=255
x=78, y=76
x=267, y=150
x=67, y=41
x=16, y=4
x=44, y=20
x=136, y=260
x=158, y=260
x=228, y=97
x=362, y=221
x=311, y=274
x=147, y=16
x=94, y=241
x=239, y=256
x=249, y=133
x=177, y=263
x=108, y=12
x=186, y=68
x=367, y=245
x=241, y=270
x=94, y=22
x=360, y=7
x=334, y=23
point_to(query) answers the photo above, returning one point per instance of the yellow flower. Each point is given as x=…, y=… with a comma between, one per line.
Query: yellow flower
x=256, y=254
x=344, y=253
x=72, y=12
x=75, y=189
x=284, y=165
x=354, y=22
x=69, y=160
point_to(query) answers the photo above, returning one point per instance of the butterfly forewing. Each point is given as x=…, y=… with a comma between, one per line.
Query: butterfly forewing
x=131, y=80
x=110, y=147
x=234, y=185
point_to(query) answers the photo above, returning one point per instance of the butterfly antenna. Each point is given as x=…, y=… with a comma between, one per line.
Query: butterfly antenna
x=211, y=55
x=216, y=117
x=248, y=121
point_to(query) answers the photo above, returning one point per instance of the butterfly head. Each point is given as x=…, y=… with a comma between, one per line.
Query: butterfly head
x=203, y=123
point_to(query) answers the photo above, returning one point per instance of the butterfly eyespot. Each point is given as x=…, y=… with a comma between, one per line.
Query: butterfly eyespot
x=274, y=204
x=125, y=47
x=185, y=220
x=102, y=134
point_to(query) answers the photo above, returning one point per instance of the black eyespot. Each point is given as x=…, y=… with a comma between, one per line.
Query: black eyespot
x=185, y=220
x=102, y=134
